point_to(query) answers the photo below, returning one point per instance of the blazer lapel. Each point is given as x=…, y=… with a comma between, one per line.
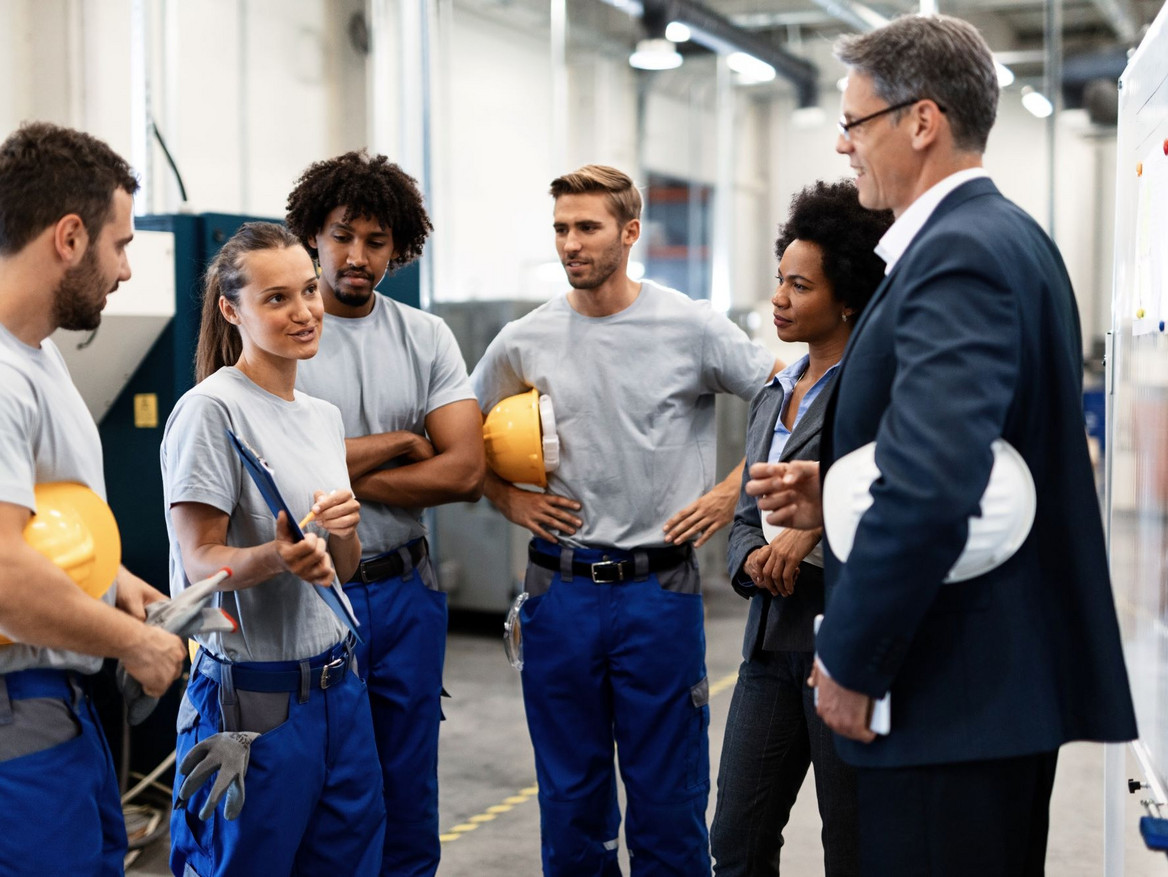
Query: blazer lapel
x=768, y=416
x=811, y=422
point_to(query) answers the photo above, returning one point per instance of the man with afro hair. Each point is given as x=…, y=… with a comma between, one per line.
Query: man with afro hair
x=414, y=440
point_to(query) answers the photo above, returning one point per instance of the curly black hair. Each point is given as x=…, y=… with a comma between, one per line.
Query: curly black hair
x=370, y=186
x=830, y=215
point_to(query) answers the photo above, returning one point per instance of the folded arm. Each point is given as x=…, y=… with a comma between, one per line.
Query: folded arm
x=449, y=467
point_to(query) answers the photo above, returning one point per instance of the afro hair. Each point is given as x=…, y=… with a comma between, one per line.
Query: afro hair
x=369, y=186
x=830, y=216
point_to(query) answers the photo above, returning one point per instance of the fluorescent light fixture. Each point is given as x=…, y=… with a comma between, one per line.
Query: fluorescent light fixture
x=1005, y=74
x=1036, y=103
x=676, y=32
x=750, y=69
x=655, y=55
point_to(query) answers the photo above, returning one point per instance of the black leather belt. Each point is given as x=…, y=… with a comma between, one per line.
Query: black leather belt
x=389, y=565
x=609, y=572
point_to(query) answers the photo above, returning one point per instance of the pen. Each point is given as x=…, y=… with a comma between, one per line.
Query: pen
x=306, y=520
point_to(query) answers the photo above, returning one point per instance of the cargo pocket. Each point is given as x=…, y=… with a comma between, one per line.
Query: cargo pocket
x=262, y=711
x=537, y=581
x=698, y=754
x=38, y=723
x=681, y=579
x=190, y=835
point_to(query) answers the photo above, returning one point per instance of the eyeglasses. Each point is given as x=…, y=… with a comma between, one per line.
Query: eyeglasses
x=845, y=126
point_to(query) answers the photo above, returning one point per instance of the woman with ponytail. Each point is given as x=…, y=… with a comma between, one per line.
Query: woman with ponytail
x=275, y=708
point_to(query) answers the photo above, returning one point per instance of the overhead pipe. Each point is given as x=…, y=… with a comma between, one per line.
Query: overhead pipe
x=721, y=35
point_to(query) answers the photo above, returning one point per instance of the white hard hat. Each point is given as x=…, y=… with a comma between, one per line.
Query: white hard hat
x=1007, y=508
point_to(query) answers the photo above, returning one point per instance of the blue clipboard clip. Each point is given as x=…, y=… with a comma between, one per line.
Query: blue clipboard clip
x=261, y=473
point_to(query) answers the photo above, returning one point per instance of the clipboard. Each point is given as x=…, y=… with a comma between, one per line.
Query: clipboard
x=263, y=477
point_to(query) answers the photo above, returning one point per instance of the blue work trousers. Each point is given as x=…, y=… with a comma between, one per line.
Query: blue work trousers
x=312, y=804
x=618, y=663
x=403, y=625
x=62, y=813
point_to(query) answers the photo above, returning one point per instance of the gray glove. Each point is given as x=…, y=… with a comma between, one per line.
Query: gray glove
x=228, y=753
x=185, y=615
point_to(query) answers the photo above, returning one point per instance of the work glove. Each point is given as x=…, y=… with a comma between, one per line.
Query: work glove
x=228, y=753
x=185, y=615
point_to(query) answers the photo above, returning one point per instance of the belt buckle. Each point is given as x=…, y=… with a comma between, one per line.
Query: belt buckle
x=326, y=678
x=605, y=568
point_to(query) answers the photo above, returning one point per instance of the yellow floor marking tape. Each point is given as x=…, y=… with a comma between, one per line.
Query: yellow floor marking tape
x=526, y=794
x=510, y=802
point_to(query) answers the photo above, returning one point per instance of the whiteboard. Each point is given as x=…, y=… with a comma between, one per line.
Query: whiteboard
x=1137, y=375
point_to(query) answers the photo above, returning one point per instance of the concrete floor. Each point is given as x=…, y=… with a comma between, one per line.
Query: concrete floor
x=490, y=818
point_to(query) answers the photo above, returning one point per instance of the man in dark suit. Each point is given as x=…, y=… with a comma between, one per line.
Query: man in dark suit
x=974, y=335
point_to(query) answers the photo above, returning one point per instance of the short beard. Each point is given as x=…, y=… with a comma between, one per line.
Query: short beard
x=353, y=299
x=75, y=305
x=604, y=268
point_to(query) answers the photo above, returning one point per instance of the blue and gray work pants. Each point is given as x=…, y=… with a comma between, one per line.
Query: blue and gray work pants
x=312, y=805
x=614, y=652
x=62, y=810
x=395, y=596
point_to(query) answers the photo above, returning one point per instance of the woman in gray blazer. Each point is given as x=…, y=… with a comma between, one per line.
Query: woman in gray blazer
x=828, y=271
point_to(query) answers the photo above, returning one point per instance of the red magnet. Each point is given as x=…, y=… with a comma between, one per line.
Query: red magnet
x=1166, y=145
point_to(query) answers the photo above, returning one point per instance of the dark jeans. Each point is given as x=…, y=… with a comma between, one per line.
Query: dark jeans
x=772, y=736
x=972, y=819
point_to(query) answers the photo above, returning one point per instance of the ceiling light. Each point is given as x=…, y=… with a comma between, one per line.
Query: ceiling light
x=1036, y=102
x=676, y=32
x=1005, y=74
x=750, y=69
x=655, y=54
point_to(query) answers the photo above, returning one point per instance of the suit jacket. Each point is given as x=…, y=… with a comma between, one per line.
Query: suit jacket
x=776, y=623
x=974, y=335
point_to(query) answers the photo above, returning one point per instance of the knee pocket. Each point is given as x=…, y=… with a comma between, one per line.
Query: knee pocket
x=698, y=749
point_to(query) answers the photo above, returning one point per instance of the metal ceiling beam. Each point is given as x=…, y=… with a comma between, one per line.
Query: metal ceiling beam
x=854, y=14
x=721, y=35
x=1121, y=15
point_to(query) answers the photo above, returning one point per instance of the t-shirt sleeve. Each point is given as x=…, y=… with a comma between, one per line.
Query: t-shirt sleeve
x=731, y=362
x=201, y=464
x=496, y=376
x=448, y=378
x=18, y=426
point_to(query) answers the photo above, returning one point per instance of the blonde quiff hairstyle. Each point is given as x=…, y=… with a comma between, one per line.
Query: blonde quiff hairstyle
x=623, y=198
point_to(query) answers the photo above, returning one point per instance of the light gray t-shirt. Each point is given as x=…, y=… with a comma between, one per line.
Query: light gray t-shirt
x=386, y=371
x=633, y=395
x=303, y=441
x=46, y=434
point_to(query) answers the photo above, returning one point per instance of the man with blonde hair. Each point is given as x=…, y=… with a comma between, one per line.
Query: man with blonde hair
x=613, y=644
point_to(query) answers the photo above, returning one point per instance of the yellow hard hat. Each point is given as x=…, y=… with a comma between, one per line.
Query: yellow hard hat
x=521, y=441
x=75, y=529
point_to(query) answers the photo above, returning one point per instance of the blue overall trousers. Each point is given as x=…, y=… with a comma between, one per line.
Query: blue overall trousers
x=312, y=805
x=403, y=624
x=62, y=813
x=615, y=653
